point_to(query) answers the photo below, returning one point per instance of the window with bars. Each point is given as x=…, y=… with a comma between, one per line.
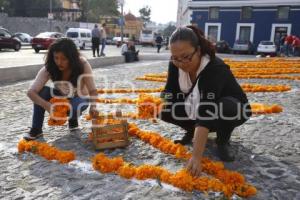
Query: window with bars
x=283, y=12
x=246, y=12
x=214, y=13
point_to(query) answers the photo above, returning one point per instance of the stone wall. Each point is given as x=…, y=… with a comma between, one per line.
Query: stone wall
x=34, y=25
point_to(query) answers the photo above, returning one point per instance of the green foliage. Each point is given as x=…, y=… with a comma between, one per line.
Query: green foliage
x=145, y=14
x=92, y=10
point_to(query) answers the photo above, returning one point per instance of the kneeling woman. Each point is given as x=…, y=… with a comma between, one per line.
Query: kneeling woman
x=202, y=95
x=72, y=77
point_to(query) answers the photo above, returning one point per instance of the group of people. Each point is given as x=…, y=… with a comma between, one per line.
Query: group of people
x=198, y=84
x=290, y=45
x=99, y=37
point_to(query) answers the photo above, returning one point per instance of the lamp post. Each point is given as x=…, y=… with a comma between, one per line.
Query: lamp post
x=50, y=15
x=121, y=2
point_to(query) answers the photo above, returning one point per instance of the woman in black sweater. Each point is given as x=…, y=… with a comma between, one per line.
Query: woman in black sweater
x=202, y=95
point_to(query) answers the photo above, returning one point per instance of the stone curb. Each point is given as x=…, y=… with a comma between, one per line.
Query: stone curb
x=14, y=74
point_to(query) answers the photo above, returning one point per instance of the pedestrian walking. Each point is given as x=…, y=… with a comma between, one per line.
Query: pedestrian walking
x=96, y=36
x=158, y=41
x=72, y=77
x=103, y=39
x=202, y=95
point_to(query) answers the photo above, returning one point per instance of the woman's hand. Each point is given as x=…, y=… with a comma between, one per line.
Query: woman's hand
x=93, y=111
x=194, y=166
x=48, y=107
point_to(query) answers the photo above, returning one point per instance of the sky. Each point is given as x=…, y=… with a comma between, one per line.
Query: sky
x=162, y=11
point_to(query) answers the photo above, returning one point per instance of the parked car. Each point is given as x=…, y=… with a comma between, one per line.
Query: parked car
x=117, y=40
x=82, y=37
x=109, y=40
x=8, y=41
x=43, y=40
x=266, y=47
x=222, y=47
x=24, y=37
x=241, y=46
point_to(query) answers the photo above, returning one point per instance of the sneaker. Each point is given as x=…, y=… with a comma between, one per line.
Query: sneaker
x=186, y=139
x=29, y=137
x=33, y=134
x=224, y=153
x=73, y=124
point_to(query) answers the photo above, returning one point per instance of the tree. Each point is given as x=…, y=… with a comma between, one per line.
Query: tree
x=92, y=10
x=145, y=14
x=4, y=5
x=169, y=30
x=32, y=8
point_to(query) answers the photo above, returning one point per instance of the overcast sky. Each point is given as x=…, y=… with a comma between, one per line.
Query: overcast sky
x=162, y=11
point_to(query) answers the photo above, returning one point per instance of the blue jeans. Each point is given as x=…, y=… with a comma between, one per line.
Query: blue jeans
x=45, y=93
x=103, y=43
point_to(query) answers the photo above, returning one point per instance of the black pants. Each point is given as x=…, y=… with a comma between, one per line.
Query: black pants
x=223, y=127
x=95, y=45
x=158, y=48
x=131, y=56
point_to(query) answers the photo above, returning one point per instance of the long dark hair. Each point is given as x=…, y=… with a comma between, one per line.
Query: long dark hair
x=69, y=49
x=196, y=37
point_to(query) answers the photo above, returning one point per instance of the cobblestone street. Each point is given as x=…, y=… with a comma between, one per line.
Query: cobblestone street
x=267, y=148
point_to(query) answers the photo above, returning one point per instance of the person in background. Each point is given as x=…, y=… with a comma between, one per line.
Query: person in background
x=129, y=52
x=202, y=95
x=296, y=46
x=96, y=36
x=281, y=45
x=158, y=41
x=167, y=43
x=288, y=45
x=103, y=39
x=72, y=77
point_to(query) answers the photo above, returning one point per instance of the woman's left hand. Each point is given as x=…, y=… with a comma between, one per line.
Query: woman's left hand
x=93, y=111
x=194, y=166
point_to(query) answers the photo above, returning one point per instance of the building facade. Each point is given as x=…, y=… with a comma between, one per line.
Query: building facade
x=248, y=20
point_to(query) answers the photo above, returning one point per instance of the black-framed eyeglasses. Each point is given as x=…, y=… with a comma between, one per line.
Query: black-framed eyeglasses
x=185, y=59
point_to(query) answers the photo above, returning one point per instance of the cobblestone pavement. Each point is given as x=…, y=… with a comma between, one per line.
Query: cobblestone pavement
x=267, y=149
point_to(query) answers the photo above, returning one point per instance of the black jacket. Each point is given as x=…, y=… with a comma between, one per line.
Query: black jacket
x=215, y=81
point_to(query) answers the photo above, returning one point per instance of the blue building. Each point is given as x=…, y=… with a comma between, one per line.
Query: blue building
x=248, y=20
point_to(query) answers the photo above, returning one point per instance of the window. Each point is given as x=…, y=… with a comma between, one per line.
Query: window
x=283, y=12
x=245, y=32
x=213, y=33
x=214, y=13
x=4, y=33
x=246, y=12
x=83, y=34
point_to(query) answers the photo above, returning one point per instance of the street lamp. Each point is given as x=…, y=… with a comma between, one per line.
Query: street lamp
x=121, y=2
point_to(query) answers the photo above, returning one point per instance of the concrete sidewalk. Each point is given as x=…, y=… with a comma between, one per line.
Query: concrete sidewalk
x=18, y=73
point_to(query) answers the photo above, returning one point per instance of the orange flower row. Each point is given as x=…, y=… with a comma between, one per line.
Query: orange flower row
x=148, y=78
x=143, y=90
x=181, y=179
x=259, y=108
x=245, y=87
x=268, y=71
x=59, y=113
x=148, y=106
x=236, y=180
x=243, y=76
x=46, y=151
x=122, y=101
x=264, y=88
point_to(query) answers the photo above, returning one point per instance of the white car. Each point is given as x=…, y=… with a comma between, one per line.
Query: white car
x=82, y=37
x=117, y=40
x=266, y=47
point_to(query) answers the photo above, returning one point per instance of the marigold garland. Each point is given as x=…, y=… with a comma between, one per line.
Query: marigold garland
x=179, y=151
x=245, y=86
x=46, y=151
x=59, y=113
x=121, y=90
x=259, y=108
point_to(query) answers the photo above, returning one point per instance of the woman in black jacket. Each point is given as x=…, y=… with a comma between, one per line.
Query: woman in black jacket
x=202, y=95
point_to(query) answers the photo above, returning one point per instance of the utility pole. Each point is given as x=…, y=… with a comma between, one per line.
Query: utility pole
x=121, y=2
x=50, y=15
